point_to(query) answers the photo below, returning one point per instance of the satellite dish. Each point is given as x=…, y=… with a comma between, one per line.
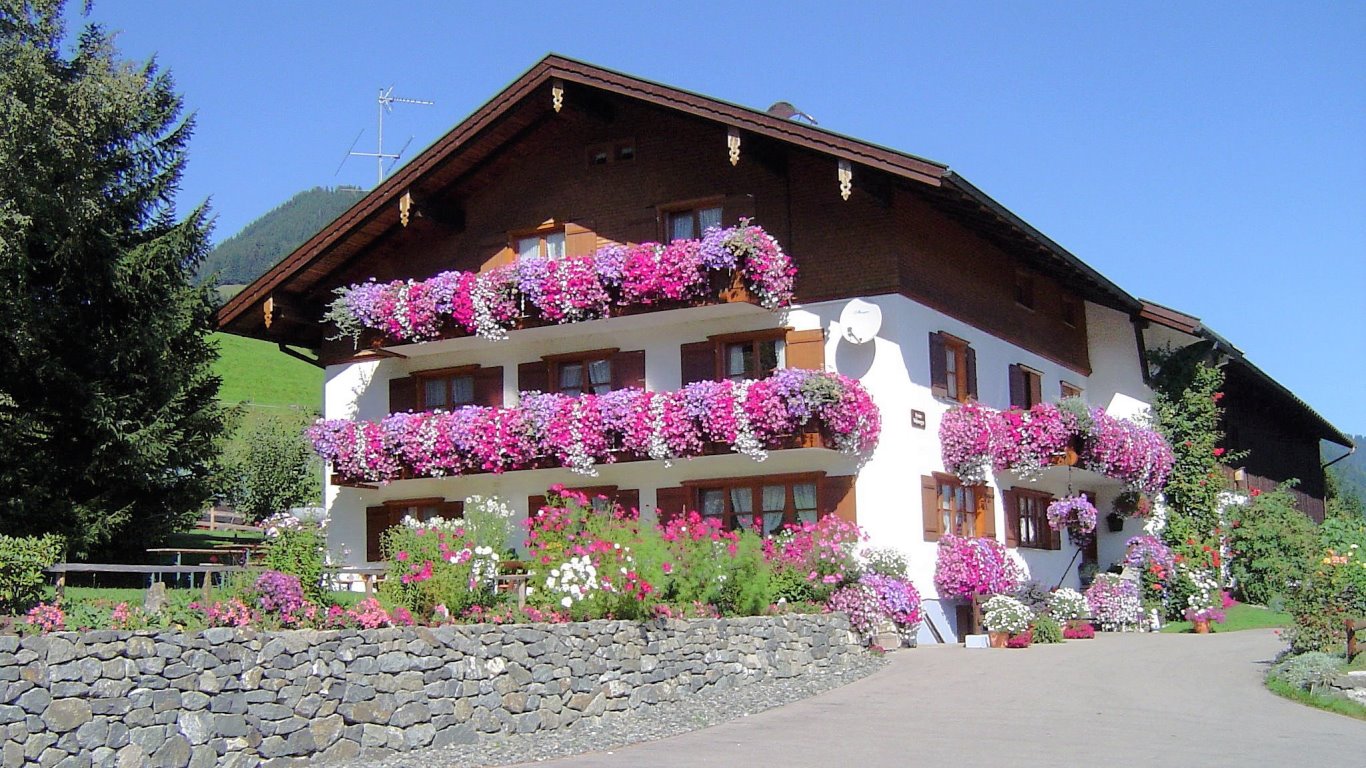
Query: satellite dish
x=861, y=320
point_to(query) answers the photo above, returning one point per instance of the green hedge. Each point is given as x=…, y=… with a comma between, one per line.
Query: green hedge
x=22, y=561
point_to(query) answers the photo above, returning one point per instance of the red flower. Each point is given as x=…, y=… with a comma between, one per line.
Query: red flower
x=1255, y=492
x=1218, y=396
x=1218, y=451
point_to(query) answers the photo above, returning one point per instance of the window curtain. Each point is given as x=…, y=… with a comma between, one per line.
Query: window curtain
x=804, y=499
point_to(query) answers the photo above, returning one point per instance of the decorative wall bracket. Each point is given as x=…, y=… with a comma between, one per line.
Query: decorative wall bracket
x=733, y=142
x=405, y=207
x=846, y=177
x=557, y=94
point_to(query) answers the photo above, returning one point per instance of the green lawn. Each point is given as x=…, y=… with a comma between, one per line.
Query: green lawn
x=257, y=372
x=1240, y=617
x=1327, y=702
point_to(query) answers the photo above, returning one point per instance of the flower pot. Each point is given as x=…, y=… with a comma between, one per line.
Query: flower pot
x=998, y=639
x=1022, y=640
x=1202, y=627
x=1114, y=522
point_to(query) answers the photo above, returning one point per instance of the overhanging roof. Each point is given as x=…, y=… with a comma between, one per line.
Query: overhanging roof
x=1190, y=324
x=492, y=124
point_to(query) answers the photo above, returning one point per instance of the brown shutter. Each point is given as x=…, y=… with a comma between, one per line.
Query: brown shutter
x=579, y=240
x=1035, y=388
x=699, y=361
x=806, y=349
x=929, y=500
x=628, y=370
x=837, y=498
x=533, y=376
x=1018, y=392
x=534, y=504
x=402, y=394
x=972, y=373
x=986, y=504
x=377, y=521
x=629, y=499
x=939, y=369
x=488, y=386
x=670, y=503
x=1011, y=501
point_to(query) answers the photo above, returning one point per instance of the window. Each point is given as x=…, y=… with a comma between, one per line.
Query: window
x=763, y=504
x=445, y=391
x=752, y=358
x=1026, y=387
x=385, y=516
x=1024, y=289
x=548, y=244
x=621, y=151
x=688, y=224
x=1028, y=516
x=1069, y=390
x=1071, y=311
x=950, y=507
x=953, y=368
x=586, y=375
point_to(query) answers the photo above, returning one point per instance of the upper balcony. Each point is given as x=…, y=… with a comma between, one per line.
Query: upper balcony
x=740, y=265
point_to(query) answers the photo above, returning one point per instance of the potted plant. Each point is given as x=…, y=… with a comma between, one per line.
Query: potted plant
x=1006, y=617
x=1205, y=602
x=1068, y=607
x=1114, y=522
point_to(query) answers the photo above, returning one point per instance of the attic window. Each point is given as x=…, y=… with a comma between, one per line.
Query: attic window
x=608, y=152
x=626, y=151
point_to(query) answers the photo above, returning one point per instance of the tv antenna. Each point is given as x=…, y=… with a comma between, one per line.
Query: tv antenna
x=386, y=102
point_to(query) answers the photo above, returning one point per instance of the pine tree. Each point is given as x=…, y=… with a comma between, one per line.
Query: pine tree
x=108, y=404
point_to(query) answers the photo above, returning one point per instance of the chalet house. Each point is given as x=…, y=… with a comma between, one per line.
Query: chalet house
x=1279, y=435
x=571, y=159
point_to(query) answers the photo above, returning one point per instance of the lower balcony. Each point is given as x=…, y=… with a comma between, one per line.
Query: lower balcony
x=794, y=408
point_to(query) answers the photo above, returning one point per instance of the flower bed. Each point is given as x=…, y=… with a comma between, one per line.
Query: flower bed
x=580, y=432
x=973, y=567
x=976, y=439
x=568, y=290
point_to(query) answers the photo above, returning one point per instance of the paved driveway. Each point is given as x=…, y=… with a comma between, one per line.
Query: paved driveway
x=1119, y=700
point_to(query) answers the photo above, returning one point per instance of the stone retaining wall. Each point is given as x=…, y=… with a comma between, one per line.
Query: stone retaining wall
x=237, y=697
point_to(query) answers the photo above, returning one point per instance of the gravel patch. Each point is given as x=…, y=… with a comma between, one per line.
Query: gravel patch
x=615, y=730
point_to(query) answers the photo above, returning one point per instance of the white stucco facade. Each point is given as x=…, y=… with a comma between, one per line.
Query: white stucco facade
x=894, y=367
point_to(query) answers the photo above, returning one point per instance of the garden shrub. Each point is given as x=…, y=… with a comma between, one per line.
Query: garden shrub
x=435, y=566
x=1067, y=605
x=1273, y=545
x=1334, y=589
x=22, y=562
x=1047, y=630
x=822, y=553
x=298, y=547
x=1308, y=671
x=1113, y=602
x=1034, y=594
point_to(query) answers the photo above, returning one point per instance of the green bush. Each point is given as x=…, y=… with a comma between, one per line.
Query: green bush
x=300, y=550
x=1273, y=544
x=1047, y=630
x=1308, y=671
x=438, y=564
x=22, y=562
x=1334, y=589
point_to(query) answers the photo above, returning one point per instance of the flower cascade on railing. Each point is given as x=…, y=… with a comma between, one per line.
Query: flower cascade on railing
x=976, y=440
x=570, y=289
x=749, y=416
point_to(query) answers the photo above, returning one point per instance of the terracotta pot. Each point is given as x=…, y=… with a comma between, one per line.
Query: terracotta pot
x=1202, y=627
x=998, y=639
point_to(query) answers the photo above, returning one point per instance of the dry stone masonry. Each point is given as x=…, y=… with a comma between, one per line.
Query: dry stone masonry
x=238, y=697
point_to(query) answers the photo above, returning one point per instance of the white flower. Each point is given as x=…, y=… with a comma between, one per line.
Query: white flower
x=567, y=602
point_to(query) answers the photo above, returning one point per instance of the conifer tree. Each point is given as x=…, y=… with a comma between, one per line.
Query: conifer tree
x=108, y=404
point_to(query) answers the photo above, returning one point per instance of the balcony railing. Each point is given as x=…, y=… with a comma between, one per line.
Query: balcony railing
x=794, y=408
x=736, y=264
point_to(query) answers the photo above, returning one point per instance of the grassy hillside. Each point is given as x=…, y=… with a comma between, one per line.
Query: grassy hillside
x=257, y=372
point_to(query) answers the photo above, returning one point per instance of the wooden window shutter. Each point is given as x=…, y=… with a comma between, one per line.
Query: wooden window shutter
x=1018, y=391
x=452, y=509
x=670, y=503
x=402, y=394
x=972, y=373
x=629, y=499
x=534, y=504
x=806, y=349
x=939, y=369
x=929, y=499
x=628, y=370
x=488, y=386
x=377, y=521
x=1012, y=518
x=579, y=240
x=1035, y=382
x=837, y=498
x=534, y=376
x=985, y=498
x=699, y=361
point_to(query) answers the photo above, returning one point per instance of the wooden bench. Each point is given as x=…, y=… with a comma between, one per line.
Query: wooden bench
x=1353, y=627
x=60, y=570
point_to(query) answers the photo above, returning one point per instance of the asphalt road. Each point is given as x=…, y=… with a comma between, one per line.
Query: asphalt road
x=1118, y=700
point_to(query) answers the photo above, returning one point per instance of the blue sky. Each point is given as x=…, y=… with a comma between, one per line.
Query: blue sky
x=1211, y=157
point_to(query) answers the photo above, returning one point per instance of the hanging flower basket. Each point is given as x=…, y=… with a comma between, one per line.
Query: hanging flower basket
x=1114, y=522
